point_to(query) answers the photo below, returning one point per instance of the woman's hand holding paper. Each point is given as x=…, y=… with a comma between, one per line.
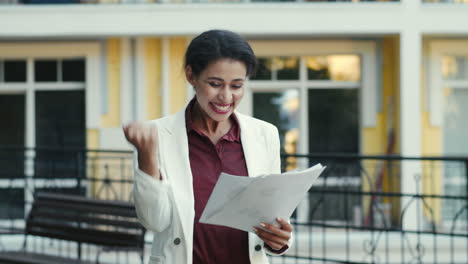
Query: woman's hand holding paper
x=276, y=237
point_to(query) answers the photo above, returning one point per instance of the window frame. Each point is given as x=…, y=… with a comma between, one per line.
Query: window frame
x=369, y=85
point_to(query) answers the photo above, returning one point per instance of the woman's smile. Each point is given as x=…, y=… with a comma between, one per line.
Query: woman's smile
x=221, y=108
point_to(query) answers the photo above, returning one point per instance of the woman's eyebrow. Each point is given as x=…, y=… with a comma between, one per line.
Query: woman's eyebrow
x=215, y=78
x=222, y=80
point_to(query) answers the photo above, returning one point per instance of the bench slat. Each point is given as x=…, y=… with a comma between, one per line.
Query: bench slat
x=76, y=207
x=85, y=234
x=130, y=223
x=22, y=257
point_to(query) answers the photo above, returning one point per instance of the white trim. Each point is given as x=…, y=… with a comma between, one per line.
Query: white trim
x=165, y=82
x=125, y=81
x=369, y=84
x=369, y=62
x=59, y=86
x=295, y=19
x=456, y=84
x=13, y=87
x=90, y=50
x=410, y=127
x=303, y=141
x=140, y=80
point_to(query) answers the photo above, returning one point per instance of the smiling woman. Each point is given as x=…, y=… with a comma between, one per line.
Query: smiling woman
x=180, y=158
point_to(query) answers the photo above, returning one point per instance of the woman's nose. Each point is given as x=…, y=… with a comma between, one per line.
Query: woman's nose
x=225, y=93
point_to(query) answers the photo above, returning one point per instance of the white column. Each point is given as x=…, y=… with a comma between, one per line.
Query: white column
x=410, y=96
x=126, y=79
x=30, y=136
x=165, y=82
x=140, y=78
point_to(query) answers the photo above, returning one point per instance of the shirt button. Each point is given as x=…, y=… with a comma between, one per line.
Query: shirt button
x=258, y=247
x=177, y=241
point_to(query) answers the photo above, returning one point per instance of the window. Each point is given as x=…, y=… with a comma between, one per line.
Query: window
x=57, y=86
x=314, y=103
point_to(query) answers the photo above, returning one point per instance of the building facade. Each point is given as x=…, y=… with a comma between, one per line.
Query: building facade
x=359, y=77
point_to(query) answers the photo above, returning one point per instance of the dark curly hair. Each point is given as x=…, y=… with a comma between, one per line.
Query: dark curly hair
x=213, y=45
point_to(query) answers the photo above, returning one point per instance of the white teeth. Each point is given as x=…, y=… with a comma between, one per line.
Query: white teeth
x=222, y=108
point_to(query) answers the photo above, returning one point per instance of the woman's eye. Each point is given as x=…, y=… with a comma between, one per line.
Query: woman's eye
x=237, y=86
x=216, y=85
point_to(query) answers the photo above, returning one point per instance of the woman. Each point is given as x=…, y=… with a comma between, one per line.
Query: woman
x=180, y=158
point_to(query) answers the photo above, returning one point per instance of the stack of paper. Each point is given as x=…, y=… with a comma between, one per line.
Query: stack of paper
x=244, y=202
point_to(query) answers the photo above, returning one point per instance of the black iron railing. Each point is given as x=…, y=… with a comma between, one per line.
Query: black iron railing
x=359, y=211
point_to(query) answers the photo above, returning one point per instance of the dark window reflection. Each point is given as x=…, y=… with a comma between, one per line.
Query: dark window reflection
x=334, y=128
x=60, y=123
x=282, y=110
x=14, y=70
x=263, y=70
x=287, y=68
x=333, y=120
x=73, y=70
x=11, y=203
x=45, y=70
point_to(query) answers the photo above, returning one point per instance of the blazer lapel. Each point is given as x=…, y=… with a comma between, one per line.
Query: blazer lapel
x=251, y=145
x=179, y=173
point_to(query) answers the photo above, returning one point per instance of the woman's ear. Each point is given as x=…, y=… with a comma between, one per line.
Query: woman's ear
x=189, y=75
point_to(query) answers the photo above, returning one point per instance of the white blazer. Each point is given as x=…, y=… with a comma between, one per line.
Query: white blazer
x=166, y=206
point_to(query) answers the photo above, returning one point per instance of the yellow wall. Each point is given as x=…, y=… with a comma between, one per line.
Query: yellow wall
x=153, y=77
x=177, y=81
x=376, y=139
x=431, y=146
x=112, y=118
x=92, y=139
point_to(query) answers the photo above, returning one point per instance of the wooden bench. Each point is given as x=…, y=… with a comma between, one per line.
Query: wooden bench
x=110, y=225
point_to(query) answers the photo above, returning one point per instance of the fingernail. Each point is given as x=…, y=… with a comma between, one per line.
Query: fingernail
x=255, y=230
x=262, y=224
x=279, y=219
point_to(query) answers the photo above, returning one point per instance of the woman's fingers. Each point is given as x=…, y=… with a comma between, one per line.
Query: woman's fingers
x=272, y=240
x=142, y=136
x=275, y=237
x=284, y=225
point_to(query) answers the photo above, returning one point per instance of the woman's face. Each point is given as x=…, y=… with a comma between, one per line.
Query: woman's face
x=219, y=88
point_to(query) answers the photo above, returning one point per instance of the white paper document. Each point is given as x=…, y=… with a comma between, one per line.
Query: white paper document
x=244, y=202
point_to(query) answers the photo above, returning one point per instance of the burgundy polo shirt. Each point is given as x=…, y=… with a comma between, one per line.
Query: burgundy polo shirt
x=214, y=244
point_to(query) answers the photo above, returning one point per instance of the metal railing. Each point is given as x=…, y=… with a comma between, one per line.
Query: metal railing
x=356, y=212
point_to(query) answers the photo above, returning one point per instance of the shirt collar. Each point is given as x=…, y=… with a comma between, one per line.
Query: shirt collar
x=232, y=135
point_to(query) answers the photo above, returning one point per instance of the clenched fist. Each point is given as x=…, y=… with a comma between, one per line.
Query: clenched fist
x=144, y=137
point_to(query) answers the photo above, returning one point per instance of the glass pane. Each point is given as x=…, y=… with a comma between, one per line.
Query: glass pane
x=334, y=67
x=263, y=70
x=455, y=121
x=334, y=128
x=455, y=129
x=281, y=109
x=333, y=121
x=60, y=123
x=11, y=203
x=12, y=135
x=73, y=70
x=287, y=68
x=14, y=70
x=455, y=67
x=45, y=70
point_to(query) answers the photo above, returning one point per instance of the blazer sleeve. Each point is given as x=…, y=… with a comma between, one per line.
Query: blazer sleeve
x=153, y=199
